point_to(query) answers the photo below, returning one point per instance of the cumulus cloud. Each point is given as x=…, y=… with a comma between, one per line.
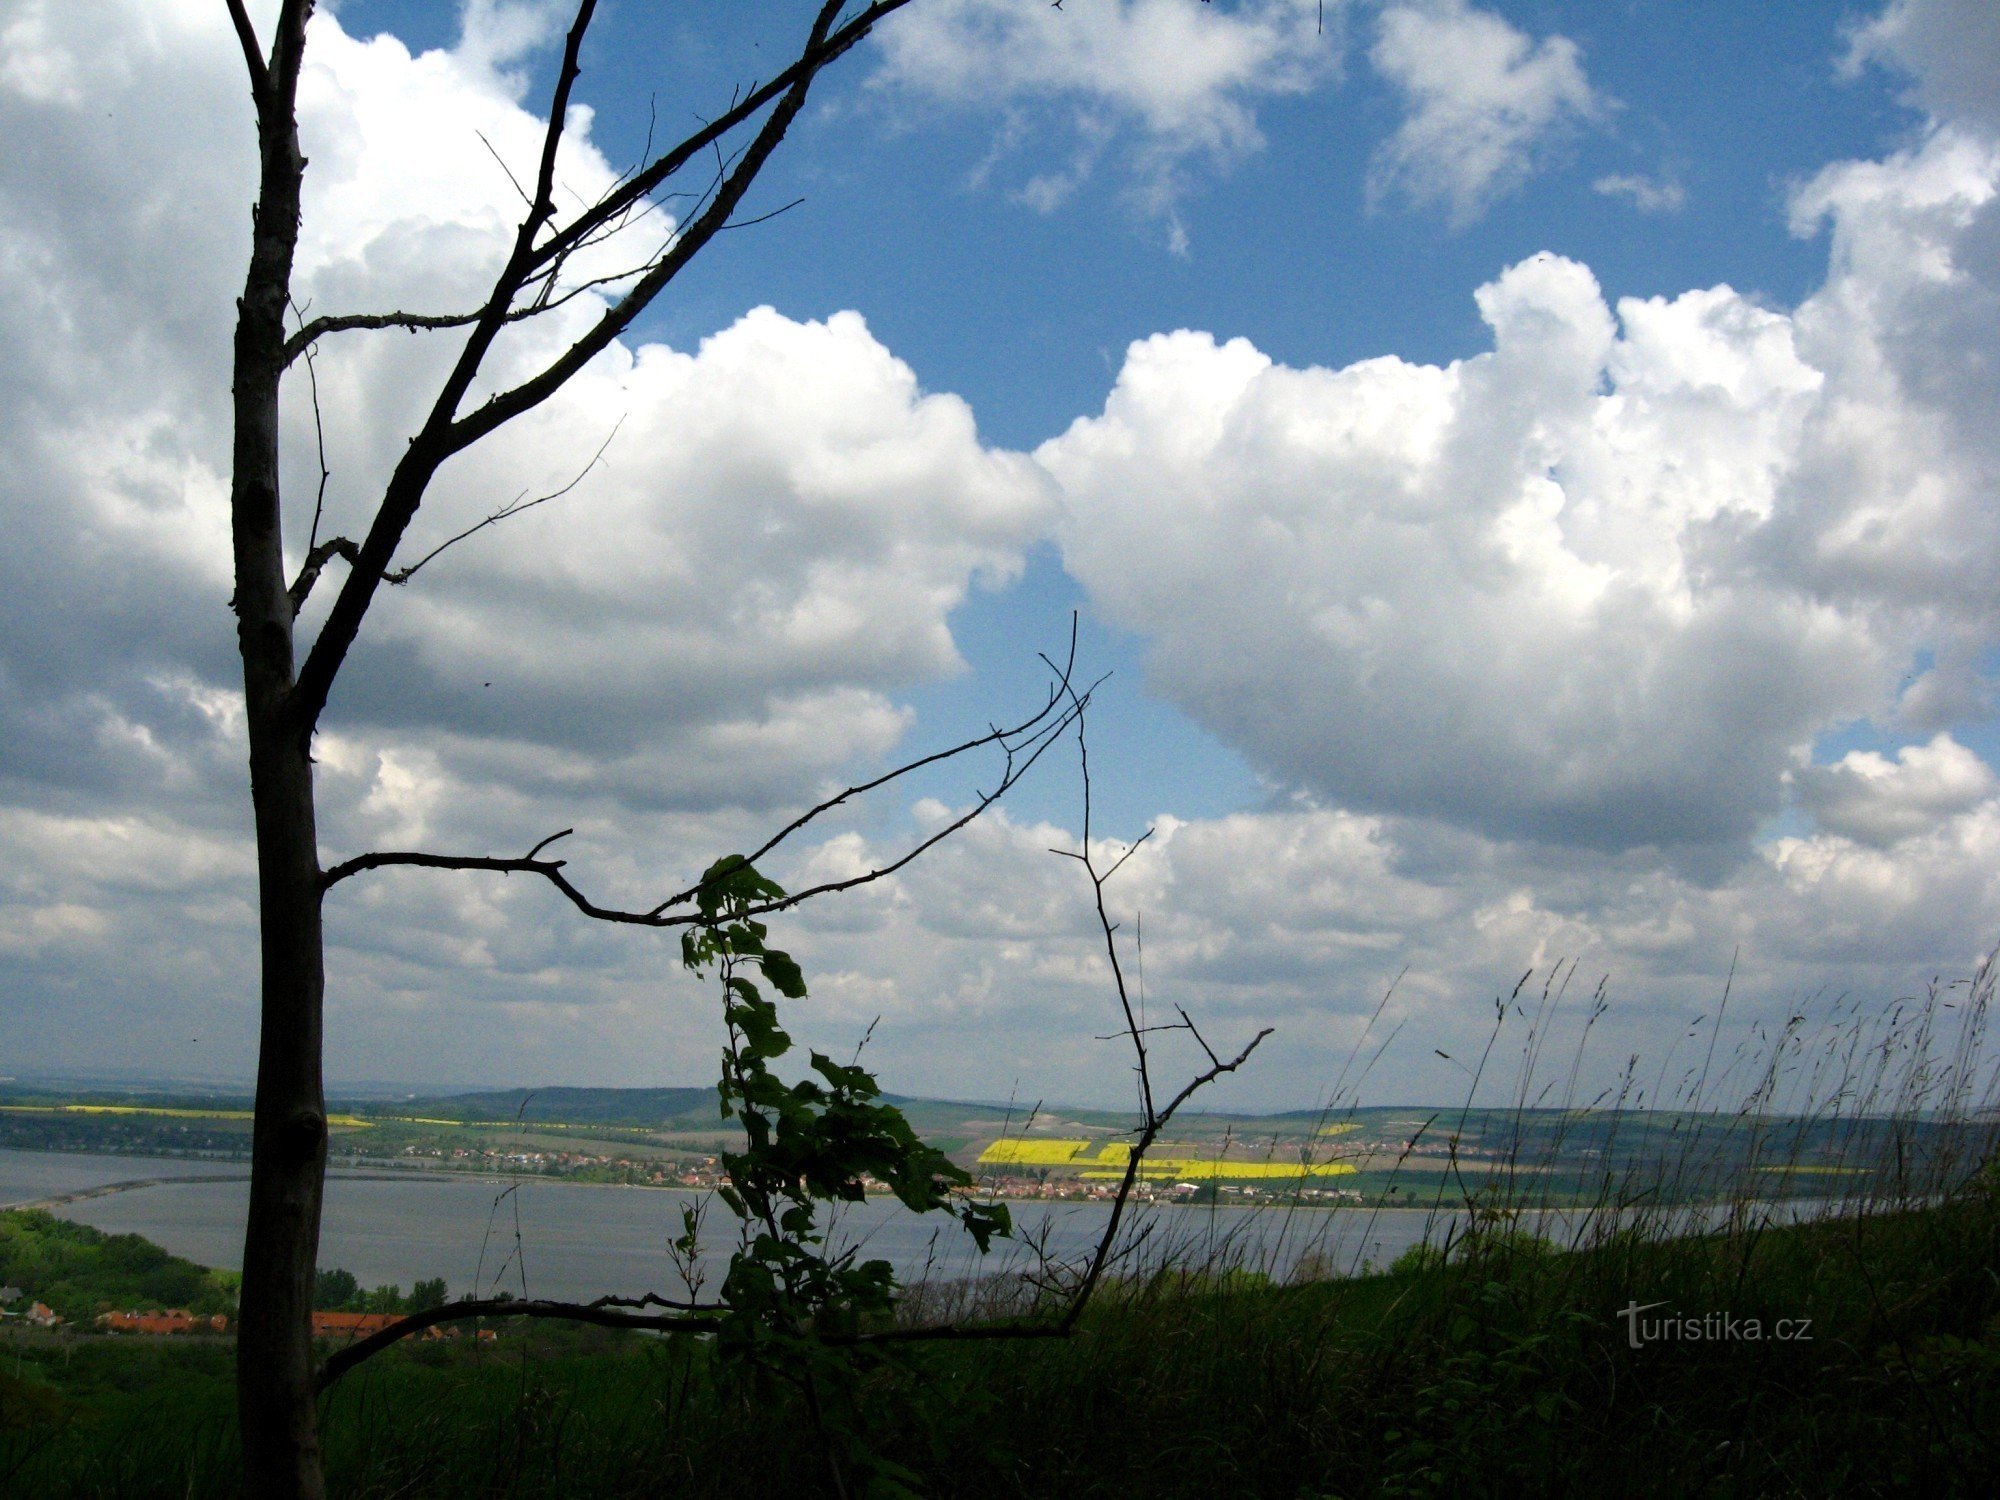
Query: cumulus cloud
x=1495, y=592
x=775, y=533
x=1178, y=81
x=1307, y=919
x=1484, y=100
x=1950, y=49
x=1530, y=645
x=1878, y=800
x=1604, y=583
x=715, y=620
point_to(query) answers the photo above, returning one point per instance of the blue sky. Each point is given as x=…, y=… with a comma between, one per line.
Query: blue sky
x=1026, y=314
x=1524, y=465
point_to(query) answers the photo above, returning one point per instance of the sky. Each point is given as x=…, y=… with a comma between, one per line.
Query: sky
x=1527, y=468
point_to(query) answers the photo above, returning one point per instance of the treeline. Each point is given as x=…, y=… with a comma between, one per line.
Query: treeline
x=81, y=1272
x=122, y=1135
x=338, y=1291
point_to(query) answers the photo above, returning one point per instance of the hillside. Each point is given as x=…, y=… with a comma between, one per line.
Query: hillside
x=81, y=1272
x=644, y=1109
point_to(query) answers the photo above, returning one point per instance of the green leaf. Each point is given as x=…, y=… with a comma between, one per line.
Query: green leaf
x=785, y=976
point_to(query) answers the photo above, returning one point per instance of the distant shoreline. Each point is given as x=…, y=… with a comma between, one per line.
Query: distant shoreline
x=335, y=1173
x=440, y=1174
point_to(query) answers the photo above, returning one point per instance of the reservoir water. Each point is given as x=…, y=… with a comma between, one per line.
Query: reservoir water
x=549, y=1238
x=546, y=1238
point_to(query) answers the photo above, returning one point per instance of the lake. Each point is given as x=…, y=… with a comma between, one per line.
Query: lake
x=571, y=1241
x=549, y=1238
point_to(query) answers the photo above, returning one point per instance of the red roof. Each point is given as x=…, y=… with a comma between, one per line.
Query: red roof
x=173, y=1320
x=352, y=1325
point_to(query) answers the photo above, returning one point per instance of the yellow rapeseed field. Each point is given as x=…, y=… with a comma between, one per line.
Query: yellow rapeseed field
x=351, y=1121
x=1113, y=1157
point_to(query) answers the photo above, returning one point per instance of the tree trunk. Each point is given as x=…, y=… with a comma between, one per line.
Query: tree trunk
x=274, y=1360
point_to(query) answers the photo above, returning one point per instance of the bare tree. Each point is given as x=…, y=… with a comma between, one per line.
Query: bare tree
x=709, y=172
x=287, y=681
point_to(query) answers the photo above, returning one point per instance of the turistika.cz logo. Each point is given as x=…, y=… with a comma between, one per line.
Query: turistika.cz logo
x=1714, y=1327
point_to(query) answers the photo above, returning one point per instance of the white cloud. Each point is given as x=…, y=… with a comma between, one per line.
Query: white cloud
x=1501, y=592
x=1181, y=79
x=713, y=623
x=493, y=34
x=1605, y=583
x=1876, y=800
x=1537, y=639
x=1650, y=195
x=1484, y=101
x=1894, y=497
x=775, y=535
x=1303, y=919
x=1950, y=48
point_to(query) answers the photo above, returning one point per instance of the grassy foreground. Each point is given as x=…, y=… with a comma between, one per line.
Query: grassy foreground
x=1508, y=1370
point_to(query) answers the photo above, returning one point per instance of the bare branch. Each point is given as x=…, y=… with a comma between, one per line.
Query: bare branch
x=1147, y=1136
x=763, y=218
x=606, y=1312
x=1187, y=1025
x=318, y=328
x=340, y=1363
x=1133, y=1025
x=444, y=431
x=654, y=1299
x=641, y=185
x=288, y=49
x=1057, y=691
x=319, y=439
x=340, y=546
x=503, y=407
x=549, y=840
x=1020, y=757
x=1152, y=1120
x=315, y=563
x=253, y=56
x=310, y=333
x=1119, y=863
x=1202, y=1081
x=502, y=163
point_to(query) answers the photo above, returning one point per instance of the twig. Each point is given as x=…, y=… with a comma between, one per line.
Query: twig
x=344, y=547
x=1023, y=745
x=512, y=508
x=1153, y=1120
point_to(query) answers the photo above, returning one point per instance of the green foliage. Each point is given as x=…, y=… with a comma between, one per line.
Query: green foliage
x=1418, y=1260
x=337, y=1290
x=81, y=1272
x=807, y=1142
x=814, y=1140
